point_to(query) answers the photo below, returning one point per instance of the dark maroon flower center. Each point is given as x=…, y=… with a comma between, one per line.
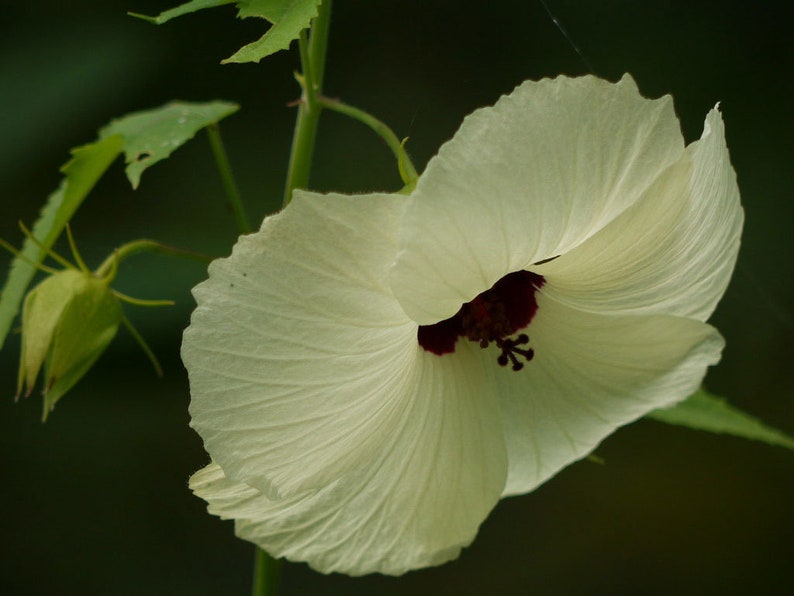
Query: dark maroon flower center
x=491, y=317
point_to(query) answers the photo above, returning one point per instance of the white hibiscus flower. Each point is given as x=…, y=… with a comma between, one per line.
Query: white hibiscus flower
x=372, y=373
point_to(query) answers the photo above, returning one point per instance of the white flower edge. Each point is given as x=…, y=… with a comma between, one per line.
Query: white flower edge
x=331, y=427
x=672, y=252
x=593, y=373
x=528, y=179
x=361, y=451
x=417, y=497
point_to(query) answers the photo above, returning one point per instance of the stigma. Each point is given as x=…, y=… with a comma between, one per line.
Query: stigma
x=491, y=317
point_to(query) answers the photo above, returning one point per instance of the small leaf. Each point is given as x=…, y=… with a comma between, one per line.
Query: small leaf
x=703, y=411
x=289, y=18
x=152, y=135
x=82, y=172
x=182, y=9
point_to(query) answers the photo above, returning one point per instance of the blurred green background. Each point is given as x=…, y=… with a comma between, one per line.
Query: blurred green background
x=96, y=500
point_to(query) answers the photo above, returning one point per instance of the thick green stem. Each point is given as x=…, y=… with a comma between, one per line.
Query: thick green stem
x=266, y=574
x=408, y=171
x=227, y=178
x=319, y=44
x=312, y=53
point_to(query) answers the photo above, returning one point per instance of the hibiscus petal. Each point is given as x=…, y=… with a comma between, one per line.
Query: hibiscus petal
x=302, y=364
x=418, y=500
x=528, y=179
x=591, y=374
x=296, y=349
x=673, y=252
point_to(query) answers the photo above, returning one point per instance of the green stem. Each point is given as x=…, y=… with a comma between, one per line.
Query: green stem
x=266, y=574
x=387, y=134
x=319, y=43
x=312, y=53
x=138, y=246
x=227, y=178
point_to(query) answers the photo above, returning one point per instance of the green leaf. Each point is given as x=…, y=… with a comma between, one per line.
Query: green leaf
x=82, y=172
x=289, y=18
x=703, y=411
x=182, y=9
x=152, y=135
x=146, y=138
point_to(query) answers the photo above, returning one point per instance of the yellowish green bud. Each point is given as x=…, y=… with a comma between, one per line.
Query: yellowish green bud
x=67, y=322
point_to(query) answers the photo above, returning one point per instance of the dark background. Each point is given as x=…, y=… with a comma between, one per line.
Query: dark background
x=96, y=501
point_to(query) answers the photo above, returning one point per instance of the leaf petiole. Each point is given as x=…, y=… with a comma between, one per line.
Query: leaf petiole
x=406, y=167
x=145, y=245
x=227, y=178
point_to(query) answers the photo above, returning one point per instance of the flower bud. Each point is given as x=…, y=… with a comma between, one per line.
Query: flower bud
x=67, y=322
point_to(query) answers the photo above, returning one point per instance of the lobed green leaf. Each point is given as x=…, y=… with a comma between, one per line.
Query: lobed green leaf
x=152, y=135
x=81, y=174
x=289, y=18
x=703, y=411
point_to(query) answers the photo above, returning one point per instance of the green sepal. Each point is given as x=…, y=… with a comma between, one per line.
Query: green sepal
x=152, y=135
x=81, y=174
x=41, y=311
x=182, y=9
x=67, y=322
x=703, y=411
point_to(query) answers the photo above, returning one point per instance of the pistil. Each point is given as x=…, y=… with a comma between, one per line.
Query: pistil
x=491, y=317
